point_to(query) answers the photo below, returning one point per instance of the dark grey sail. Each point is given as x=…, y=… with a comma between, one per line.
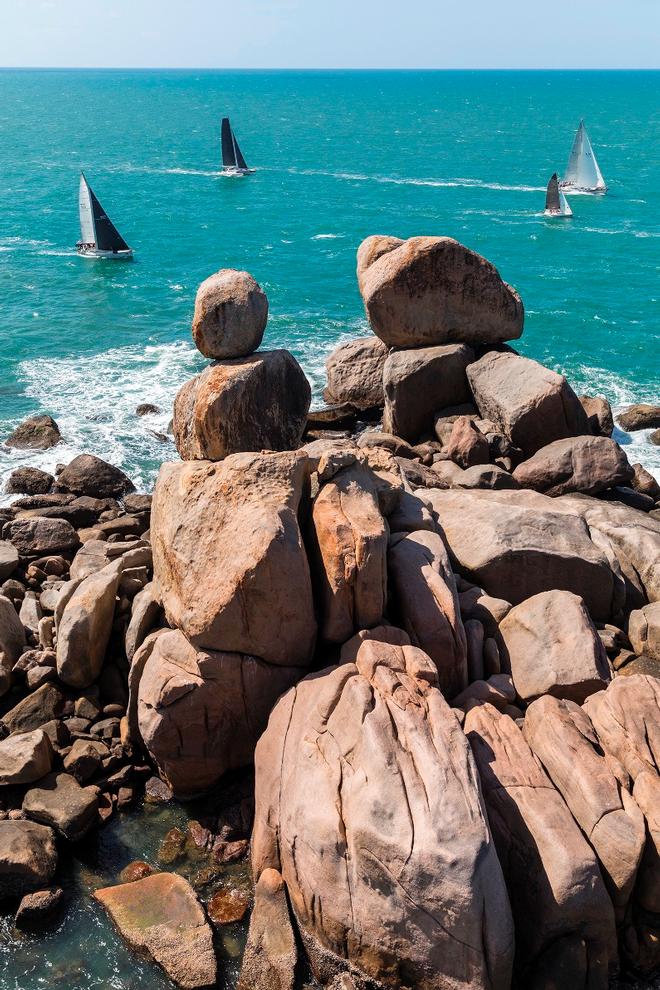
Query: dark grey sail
x=232, y=156
x=552, y=203
x=108, y=237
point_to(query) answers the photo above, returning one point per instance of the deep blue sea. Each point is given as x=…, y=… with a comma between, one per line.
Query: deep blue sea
x=338, y=156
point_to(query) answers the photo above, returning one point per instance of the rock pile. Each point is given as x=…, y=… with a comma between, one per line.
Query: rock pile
x=437, y=640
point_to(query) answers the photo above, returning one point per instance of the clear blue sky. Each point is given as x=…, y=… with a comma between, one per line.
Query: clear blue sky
x=331, y=33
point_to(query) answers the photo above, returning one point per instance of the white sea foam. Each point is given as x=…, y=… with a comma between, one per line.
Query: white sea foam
x=327, y=237
x=448, y=183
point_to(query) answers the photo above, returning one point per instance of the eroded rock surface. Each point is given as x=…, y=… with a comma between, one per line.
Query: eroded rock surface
x=355, y=373
x=230, y=316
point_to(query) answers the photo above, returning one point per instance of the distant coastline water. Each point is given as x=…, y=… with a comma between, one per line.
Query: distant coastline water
x=339, y=155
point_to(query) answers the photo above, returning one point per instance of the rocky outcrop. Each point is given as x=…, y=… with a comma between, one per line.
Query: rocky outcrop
x=40, y=536
x=28, y=857
x=200, y=713
x=552, y=647
x=433, y=290
x=563, y=916
x=355, y=373
x=161, y=917
x=426, y=599
x=350, y=545
x=599, y=414
x=270, y=957
x=35, y=433
x=24, y=758
x=405, y=889
x=529, y=403
x=60, y=801
x=29, y=481
x=89, y=475
x=578, y=464
x=85, y=627
x=229, y=563
x=418, y=382
x=230, y=316
x=259, y=402
x=644, y=630
x=642, y=416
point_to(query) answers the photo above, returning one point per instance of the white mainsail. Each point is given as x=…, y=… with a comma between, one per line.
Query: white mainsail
x=564, y=208
x=87, y=229
x=582, y=171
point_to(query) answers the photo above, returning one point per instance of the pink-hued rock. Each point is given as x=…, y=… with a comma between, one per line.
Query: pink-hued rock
x=270, y=957
x=367, y=803
x=230, y=316
x=229, y=563
x=644, y=630
x=12, y=641
x=433, y=290
x=563, y=915
x=426, y=598
x=84, y=629
x=577, y=464
x=200, y=713
x=355, y=373
x=350, y=545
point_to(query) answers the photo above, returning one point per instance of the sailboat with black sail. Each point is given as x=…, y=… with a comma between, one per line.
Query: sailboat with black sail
x=582, y=172
x=99, y=238
x=556, y=204
x=233, y=162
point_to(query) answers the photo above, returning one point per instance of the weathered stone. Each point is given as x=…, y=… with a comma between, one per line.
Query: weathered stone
x=370, y=765
x=563, y=916
x=427, y=600
x=28, y=857
x=498, y=691
x=37, y=909
x=642, y=416
x=228, y=906
x=644, y=482
x=351, y=545
x=270, y=957
x=599, y=414
x=419, y=382
x=89, y=475
x=355, y=373
x=84, y=629
x=34, y=711
x=12, y=641
x=467, y=446
x=200, y=714
x=644, y=630
x=433, y=290
x=577, y=464
x=230, y=316
x=552, y=647
x=229, y=563
x=94, y=555
x=395, y=445
x=85, y=759
x=39, y=536
x=60, y=801
x=529, y=403
x=8, y=559
x=35, y=433
x=29, y=481
x=486, y=476
x=25, y=757
x=258, y=402
x=160, y=916
x=145, y=614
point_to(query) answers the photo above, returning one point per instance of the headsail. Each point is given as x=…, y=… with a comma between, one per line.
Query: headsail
x=108, y=237
x=240, y=161
x=552, y=204
x=228, y=146
x=87, y=232
x=582, y=171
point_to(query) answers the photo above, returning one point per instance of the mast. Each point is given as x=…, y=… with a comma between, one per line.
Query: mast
x=228, y=147
x=87, y=229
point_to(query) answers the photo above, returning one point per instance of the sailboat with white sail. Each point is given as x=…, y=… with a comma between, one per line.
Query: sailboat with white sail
x=99, y=238
x=556, y=204
x=233, y=162
x=582, y=172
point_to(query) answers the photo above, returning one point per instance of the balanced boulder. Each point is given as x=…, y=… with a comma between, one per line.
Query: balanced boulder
x=355, y=373
x=529, y=403
x=230, y=316
x=577, y=464
x=259, y=402
x=433, y=290
x=419, y=382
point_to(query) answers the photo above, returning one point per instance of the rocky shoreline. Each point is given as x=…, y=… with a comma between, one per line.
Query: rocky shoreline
x=428, y=615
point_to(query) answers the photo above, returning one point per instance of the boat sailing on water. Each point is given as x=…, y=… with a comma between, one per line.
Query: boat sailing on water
x=582, y=172
x=556, y=204
x=233, y=162
x=99, y=238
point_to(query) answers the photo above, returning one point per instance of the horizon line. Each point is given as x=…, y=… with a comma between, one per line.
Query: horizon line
x=325, y=68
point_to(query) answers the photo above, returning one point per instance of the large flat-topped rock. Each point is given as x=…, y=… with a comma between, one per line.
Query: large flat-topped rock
x=531, y=404
x=433, y=290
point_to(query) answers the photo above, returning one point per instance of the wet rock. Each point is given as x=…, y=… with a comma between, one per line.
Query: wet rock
x=200, y=713
x=62, y=803
x=29, y=481
x=387, y=803
x=355, y=373
x=563, y=915
x=427, y=600
x=254, y=403
x=37, y=909
x=552, y=647
x=34, y=711
x=25, y=757
x=28, y=857
x=160, y=916
x=84, y=629
x=529, y=403
x=351, y=547
x=39, y=536
x=578, y=464
x=270, y=957
x=228, y=906
x=418, y=382
x=229, y=563
x=35, y=433
x=137, y=870
x=147, y=409
x=433, y=290
x=230, y=316
x=599, y=414
x=89, y=475
x=172, y=847
x=642, y=416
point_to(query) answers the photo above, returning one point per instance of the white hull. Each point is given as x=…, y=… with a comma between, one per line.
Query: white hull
x=234, y=173
x=569, y=187
x=557, y=214
x=110, y=255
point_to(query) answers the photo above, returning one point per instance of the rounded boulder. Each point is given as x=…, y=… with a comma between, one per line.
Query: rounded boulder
x=231, y=311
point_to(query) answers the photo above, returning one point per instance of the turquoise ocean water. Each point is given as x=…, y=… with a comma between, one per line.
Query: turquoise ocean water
x=339, y=155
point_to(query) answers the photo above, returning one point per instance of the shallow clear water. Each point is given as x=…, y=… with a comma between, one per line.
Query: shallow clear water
x=338, y=156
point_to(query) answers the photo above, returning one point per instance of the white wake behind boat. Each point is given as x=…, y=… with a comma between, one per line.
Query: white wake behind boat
x=99, y=238
x=233, y=162
x=582, y=172
x=556, y=204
